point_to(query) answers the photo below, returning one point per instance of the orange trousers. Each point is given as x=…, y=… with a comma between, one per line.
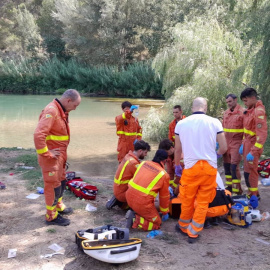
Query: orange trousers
x=147, y=217
x=251, y=168
x=198, y=182
x=54, y=186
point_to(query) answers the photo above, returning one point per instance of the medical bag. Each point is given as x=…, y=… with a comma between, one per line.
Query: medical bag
x=80, y=188
x=264, y=168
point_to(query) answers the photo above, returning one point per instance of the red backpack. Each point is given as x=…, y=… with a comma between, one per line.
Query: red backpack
x=264, y=168
x=81, y=189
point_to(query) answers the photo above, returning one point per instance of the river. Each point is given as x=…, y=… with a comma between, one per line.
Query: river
x=93, y=142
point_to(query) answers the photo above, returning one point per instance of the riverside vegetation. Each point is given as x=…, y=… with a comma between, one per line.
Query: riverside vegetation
x=170, y=49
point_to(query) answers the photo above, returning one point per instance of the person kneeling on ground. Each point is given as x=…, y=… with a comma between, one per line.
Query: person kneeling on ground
x=220, y=206
x=149, y=180
x=125, y=173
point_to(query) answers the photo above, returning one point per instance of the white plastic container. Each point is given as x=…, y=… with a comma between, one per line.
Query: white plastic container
x=113, y=251
x=255, y=215
x=265, y=181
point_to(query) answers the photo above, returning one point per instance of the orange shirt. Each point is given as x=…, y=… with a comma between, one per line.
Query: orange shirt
x=124, y=174
x=172, y=125
x=233, y=126
x=255, y=126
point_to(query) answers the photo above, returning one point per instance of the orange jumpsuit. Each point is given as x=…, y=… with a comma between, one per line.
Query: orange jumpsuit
x=128, y=129
x=255, y=135
x=149, y=180
x=52, y=132
x=124, y=174
x=172, y=128
x=233, y=128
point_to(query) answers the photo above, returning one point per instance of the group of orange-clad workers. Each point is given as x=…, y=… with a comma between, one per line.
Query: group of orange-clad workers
x=194, y=143
x=199, y=140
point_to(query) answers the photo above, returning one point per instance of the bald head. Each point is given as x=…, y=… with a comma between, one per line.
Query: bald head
x=199, y=105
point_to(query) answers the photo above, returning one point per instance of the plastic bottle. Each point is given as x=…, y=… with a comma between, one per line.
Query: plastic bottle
x=265, y=181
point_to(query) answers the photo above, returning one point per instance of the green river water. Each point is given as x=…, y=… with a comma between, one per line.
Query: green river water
x=93, y=142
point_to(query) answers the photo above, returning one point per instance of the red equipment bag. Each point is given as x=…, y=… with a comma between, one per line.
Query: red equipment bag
x=81, y=189
x=264, y=168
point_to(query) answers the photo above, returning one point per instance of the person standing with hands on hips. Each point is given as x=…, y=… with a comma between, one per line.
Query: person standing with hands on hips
x=196, y=137
x=255, y=135
x=51, y=137
x=128, y=130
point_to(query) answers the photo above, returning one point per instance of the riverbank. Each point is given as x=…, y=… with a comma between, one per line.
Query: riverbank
x=22, y=227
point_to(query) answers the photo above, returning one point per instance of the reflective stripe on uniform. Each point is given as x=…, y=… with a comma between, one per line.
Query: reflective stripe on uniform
x=43, y=150
x=172, y=183
x=258, y=145
x=253, y=189
x=249, y=132
x=118, y=181
x=147, y=190
x=127, y=133
x=123, y=116
x=227, y=181
x=192, y=230
x=233, y=130
x=235, y=181
x=164, y=209
x=51, y=208
x=139, y=134
x=235, y=190
x=57, y=138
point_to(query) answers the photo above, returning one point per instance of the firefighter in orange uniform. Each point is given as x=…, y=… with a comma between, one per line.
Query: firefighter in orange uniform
x=255, y=135
x=51, y=139
x=233, y=129
x=128, y=129
x=168, y=146
x=149, y=180
x=177, y=113
x=125, y=173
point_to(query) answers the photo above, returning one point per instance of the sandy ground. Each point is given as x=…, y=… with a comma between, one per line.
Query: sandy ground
x=22, y=227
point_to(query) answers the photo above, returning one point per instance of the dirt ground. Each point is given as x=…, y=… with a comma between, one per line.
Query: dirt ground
x=22, y=227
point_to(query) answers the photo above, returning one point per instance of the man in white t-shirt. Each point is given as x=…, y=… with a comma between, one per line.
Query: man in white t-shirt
x=196, y=137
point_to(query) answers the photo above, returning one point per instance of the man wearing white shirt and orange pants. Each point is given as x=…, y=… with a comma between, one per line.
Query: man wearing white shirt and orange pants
x=196, y=138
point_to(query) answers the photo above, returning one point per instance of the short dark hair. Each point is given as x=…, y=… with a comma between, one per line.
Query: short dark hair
x=160, y=156
x=177, y=107
x=233, y=96
x=248, y=92
x=142, y=145
x=165, y=144
x=126, y=104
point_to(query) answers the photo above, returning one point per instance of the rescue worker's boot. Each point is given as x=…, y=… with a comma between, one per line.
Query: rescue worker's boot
x=60, y=221
x=228, y=176
x=66, y=211
x=236, y=182
x=130, y=217
x=193, y=240
x=113, y=202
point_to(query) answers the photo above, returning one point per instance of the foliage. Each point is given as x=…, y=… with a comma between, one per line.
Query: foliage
x=26, y=76
x=28, y=160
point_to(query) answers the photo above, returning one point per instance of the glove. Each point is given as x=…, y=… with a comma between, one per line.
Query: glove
x=133, y=107
x=218, y=156
x=165, y=217
x=135, y=141
x=178, y=170
x=253, y=201
x=154, y=233
x=250, y=157
x=217, y=146
x=241, y=149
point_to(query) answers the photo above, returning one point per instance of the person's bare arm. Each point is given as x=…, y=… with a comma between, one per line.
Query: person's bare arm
x=222, y=143
x=177, y=150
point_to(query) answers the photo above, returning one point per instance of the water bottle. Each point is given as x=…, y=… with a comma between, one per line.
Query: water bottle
x=265, y=181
